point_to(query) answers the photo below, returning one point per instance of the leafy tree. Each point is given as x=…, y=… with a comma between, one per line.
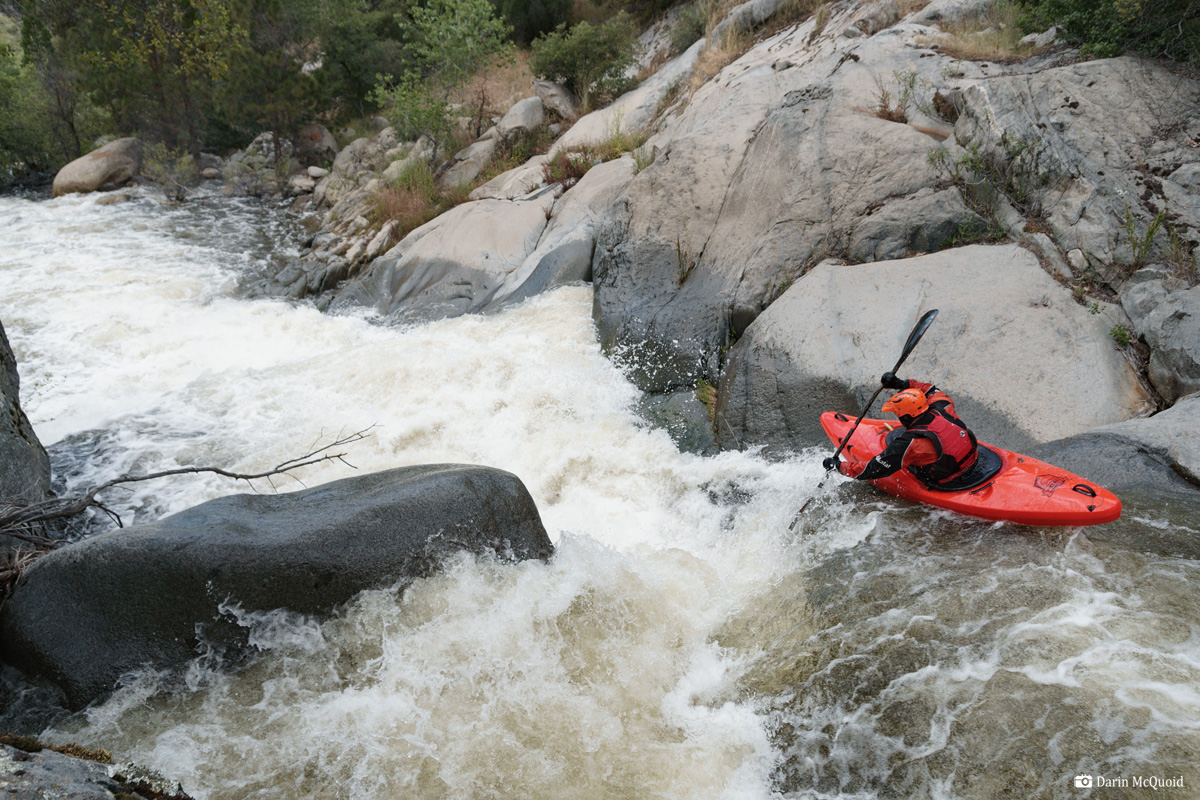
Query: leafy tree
x=532, y=18
x=590, y=59
x=1105, y=28
x=356, y=46
x=159, y=58
x=449, y=41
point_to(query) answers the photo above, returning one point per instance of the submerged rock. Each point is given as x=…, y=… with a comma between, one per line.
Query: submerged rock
x=85, y=615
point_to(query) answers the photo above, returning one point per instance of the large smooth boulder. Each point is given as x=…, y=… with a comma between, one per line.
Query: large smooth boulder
x=109, y=166
x=1024, y=362
x=24, y=465
x=556, y=98
x=564, y=252
x=86, y=614
x=1168, y=319
x=526, y=116
x=469, y=162
x=453, y=264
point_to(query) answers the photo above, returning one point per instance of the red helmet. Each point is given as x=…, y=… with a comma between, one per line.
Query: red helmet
x=907, y=403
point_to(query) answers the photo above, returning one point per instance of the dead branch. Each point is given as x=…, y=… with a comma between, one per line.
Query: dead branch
x=25, y=521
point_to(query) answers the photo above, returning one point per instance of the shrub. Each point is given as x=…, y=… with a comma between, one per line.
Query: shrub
x=1163, y=28
x=532, y=18
x=412, y=201
x=174, y=171
x=591, y=60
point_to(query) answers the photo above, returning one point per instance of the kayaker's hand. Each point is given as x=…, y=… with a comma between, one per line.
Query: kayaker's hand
x=890, y=381
x=830, y=464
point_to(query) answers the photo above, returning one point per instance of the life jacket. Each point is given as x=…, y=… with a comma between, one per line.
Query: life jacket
x=954, y=443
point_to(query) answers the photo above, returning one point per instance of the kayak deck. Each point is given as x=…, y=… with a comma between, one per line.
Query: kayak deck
x=1024, y=490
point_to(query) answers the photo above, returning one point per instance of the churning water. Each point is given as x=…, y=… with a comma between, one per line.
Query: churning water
x=682, y=643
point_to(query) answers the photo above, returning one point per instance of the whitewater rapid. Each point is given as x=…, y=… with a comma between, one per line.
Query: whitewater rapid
x=681, y=643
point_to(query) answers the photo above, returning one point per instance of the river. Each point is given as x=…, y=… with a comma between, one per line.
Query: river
x=682, y=642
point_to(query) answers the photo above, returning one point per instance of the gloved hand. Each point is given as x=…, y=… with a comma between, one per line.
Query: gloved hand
x=890, y=381
x=830, y=464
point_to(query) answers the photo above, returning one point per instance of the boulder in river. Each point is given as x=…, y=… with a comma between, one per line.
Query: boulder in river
x=24, y=465
x=86, y=614
x=1024, y=362
x=453, y=264
x=109, y=166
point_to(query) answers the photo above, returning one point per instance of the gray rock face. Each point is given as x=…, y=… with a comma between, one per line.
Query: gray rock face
x=1169, y=320
x=1024, y=362
x=451, y=265
x=469, y=162
x=24, y=465
x=565, y=249
x=525, y=116
x=714, y=228
x=556, y=98
x=1154, y=461
x=111, y=165
x=1100, y=135
x=86, y=614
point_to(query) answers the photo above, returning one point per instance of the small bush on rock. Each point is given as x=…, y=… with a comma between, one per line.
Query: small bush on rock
x=591, y=60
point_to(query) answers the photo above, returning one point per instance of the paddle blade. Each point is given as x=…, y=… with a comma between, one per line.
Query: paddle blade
x=917, y=332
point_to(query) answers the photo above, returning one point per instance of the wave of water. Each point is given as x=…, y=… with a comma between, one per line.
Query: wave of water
x=681, y=643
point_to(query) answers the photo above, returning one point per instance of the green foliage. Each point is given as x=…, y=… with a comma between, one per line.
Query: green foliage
x=174, y=171
x=1121, y=335
x=449, y=40
x=1012, y=172
x=42, y=120
x=691, y=24
x=590, y=59
x=1140, y=242
x=1105, y=28
x=530, y=19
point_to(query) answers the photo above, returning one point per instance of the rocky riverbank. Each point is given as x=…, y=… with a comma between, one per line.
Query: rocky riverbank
x=1060, y=196
x=756, y=257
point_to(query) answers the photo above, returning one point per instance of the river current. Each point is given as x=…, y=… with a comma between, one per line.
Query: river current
x=681, y=643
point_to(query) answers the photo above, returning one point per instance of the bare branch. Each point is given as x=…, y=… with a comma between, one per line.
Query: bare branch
x=23, y=520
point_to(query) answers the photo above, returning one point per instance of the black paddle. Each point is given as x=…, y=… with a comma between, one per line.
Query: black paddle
x=917, y=332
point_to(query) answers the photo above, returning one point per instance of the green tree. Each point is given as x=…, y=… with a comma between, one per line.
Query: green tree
x=356, y=46
x=1105, y=28
x=591, y=60
x=449, y=40
x=159, y=58
x=532, y=18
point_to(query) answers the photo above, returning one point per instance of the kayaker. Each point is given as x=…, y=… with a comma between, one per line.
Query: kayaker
x=935, y=445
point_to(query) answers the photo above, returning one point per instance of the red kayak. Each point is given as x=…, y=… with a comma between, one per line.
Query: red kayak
x=1001, y=486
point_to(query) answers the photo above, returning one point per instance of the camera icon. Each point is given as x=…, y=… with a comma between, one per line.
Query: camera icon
x=1083, y=782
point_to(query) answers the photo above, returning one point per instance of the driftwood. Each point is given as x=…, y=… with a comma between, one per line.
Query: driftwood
x=25, y=520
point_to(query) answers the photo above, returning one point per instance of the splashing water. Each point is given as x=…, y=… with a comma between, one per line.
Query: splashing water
x=681, y=643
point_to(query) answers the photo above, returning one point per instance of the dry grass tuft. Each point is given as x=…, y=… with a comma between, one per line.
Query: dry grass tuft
x=504, y=82
x=991, y=35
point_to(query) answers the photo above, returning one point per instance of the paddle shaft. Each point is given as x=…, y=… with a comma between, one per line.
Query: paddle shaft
x=917, y=332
